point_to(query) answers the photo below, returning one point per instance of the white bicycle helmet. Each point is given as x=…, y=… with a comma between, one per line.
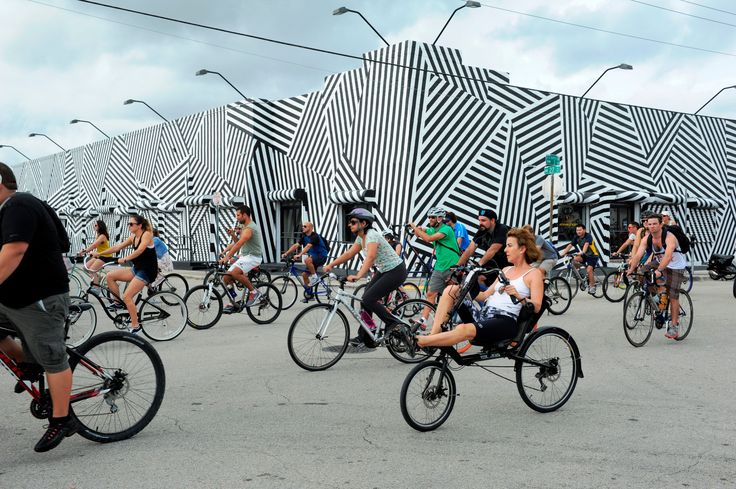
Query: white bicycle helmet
x=362, y=214
x=387, y=235
x=437, y=212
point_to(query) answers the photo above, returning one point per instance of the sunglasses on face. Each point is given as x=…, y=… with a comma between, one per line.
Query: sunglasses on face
x=353, y=222
x=132, y=224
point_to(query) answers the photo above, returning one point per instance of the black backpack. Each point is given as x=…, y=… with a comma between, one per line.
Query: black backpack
x=682, y=239
x=325, y=242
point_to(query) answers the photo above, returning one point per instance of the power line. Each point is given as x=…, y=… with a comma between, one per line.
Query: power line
x=316, y=68
x=708, y=7
x=582, y=26
x=683, y=13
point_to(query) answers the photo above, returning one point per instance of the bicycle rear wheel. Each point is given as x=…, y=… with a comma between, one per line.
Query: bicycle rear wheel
x=204, y=308
x=175, y=283
x=572, y=279
x=686, y=315
x=600, y=277
x=560, y=293
x=309, y=350
x=614, y=286
x=410, y=312
x=546, y=388
x=411, y=290
x=130, y=386
x=82, y=322
x=163, y=316
x=266, y=310
x=428, y=396
x=638, y=319
x=288, y=289
x=358, y=292
x=76, y=286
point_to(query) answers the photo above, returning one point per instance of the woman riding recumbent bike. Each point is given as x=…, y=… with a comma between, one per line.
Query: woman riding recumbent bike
x=546, y=361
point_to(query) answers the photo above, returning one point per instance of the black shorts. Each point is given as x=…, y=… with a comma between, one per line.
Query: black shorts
x=318, y=261
x=108, y=259
x=495, y=329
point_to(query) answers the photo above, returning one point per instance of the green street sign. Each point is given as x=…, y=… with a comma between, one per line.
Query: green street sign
x=552, y=160
x=551, y=170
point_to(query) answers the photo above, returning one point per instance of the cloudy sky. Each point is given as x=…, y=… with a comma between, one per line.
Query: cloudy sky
x=65, y=59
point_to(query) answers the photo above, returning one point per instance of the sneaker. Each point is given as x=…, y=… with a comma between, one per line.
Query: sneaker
x=591, y=290
x=257, y=297
x=356, y=341
x=672, y=332
x=116, y=306
x=308, y=298
x=135, y=331
x=230, y=309
x=55, y=433
x=313, y=280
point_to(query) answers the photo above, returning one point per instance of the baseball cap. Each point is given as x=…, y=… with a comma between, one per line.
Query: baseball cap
x=7, y=177
x=666, y=213
x=490, y=214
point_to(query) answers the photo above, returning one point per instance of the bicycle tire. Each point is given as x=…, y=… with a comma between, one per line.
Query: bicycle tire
x=163, y=316
x=434, y=391
x=561, y=374
x=600, y=277
x=560, y=293
x=636, y=328
x=572, y=280
x=267, y=309
x=76, y=287
x=411, y=290
x=208, y=276
x=200, y=311
x=111, y=350
x=734, y=288
x=687, y=280
x=302, y=340
x=358, y=292
x=288, y=289
x=174, y=282
x=614, y=286
x=685, y=312
x=82, y=324
x=322, y=292
x=260, y=275
x=409, y=311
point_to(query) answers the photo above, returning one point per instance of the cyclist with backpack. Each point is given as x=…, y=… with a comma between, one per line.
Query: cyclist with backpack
x=550, y=255
x=315, y=247
x=668, y=245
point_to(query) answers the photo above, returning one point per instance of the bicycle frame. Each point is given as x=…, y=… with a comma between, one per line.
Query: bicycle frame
x=343, y=298
x=296, y=273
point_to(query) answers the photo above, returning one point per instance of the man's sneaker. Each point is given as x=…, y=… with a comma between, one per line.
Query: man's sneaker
x=356, y=341
x=307, y=298
x=313, y=280
x=591, y=290
x=55, y=433
x=135, y=331
x=230, y=309
x=672, y=332
x=252, y=301
x=116, y=306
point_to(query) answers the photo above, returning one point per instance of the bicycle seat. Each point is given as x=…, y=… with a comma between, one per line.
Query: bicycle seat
x=80, y=307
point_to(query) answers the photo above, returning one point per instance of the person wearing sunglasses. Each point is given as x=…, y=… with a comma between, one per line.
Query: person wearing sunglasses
x=144, y=271
x=314, y=246
x=101, y=244
x=389, y=277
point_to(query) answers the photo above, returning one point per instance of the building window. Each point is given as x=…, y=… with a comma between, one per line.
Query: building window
x=346, y=209
x=568, y=218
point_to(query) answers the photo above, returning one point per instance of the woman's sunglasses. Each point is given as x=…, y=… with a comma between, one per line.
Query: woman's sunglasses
x=353, y=221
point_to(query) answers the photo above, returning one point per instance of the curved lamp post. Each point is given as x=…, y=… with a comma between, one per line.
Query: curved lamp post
x=622, y=66
x=134, y=101
x=467, y=4
x=34, y=134
x=344, y=10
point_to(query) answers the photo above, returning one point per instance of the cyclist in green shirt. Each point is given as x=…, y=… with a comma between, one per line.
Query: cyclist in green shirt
x=446, y=252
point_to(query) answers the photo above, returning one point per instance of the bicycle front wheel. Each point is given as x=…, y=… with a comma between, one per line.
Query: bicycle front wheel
x=560, y=294
x=76, y=287
x=312, y=351
x=82, y=322
x=288, y=289
x=687, y=280
x=548, y=387
x=175, y=283
x=128, y=377
x=638, y=319
x=428, y=396
x=410, y=312
x=266, y=310
x=204, y=308
x=600, y=277
x=614, y=286
x=163, y=316
x=686, y=315
x=411, y=290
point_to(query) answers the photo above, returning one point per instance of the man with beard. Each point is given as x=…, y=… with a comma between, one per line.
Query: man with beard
x=491, y=237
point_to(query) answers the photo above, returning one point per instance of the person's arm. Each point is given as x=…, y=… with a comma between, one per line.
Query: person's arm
x=467, y=254
x=586, y=245
x=371, y=250
x=485, y=294
x=347, y=256
x=244, y=236
x=566, y=250
x=459, y=240
x=304, y=251
x=636, y=257
x=671, y=244
x=397, y=249
x=94, y=244
x=146, y=239
x=626, y=243
x=291, y=250
x=115, y=248
x=422, y=234
x=11, y=254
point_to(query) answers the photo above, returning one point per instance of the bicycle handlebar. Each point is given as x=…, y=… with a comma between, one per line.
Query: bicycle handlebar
x=86, y=267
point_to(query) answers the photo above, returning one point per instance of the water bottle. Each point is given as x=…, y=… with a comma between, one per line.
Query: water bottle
x=368, y=320
x=233, y=293
x=663, y=300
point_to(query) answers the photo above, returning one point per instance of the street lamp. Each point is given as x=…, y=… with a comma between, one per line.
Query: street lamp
x=134, y=101
x=34, y=134
x=622, y=66
x=204, y=72
x=74, y=121
x=714, y=96
x=344, y=10
x=16, y=150
x=467, y=4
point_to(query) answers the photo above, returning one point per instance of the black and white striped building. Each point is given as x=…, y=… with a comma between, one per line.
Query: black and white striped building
x=411, y=129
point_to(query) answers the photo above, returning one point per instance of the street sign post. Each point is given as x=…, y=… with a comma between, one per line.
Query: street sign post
x=551, y=167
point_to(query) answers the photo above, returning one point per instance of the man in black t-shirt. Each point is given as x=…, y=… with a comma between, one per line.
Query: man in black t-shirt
x=491, y=237
x=34, y=297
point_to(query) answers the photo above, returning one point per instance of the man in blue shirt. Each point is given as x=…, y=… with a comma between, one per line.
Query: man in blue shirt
x=313, y=245
x=461, y=232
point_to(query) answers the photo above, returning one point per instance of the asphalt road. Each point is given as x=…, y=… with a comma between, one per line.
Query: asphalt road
x=239, y=413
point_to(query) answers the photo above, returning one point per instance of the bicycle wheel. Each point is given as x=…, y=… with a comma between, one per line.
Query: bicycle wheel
x=614, y=286
x=410, y=312
x=76, y=287
x=734, y=288
x=358, y=292
x=411, y=290
x=600, y=277
x=269, y=307
x=130, y=378
x=82, y=322
x=572, y=280
x=259, y=275
x=559, y=292
x=546, y=388
x=428, y=396
x=638, y=319
x=323, y=290
x=288, y=289
x=686, y=315
x=687, y=280
x=163, y=316
x=208, y=276
x=204, y=308
x=173, y=282
x=307, y=348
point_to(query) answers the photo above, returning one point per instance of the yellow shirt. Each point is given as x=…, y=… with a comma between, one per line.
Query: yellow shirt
x=102, y=247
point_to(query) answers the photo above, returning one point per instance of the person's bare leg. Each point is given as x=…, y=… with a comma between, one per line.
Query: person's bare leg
x=591, y=277
x=60, y=387
x=675, y=312
x=120, y=274
x=135, y=286
x=443, y=308
x=12, y=348
x=462, y=332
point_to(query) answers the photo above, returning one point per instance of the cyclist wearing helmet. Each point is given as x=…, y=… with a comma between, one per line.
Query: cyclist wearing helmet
x=393, y=240
x=446, y=251
x=391, y=269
